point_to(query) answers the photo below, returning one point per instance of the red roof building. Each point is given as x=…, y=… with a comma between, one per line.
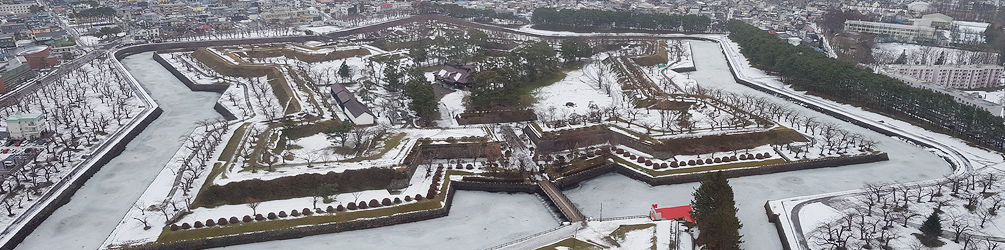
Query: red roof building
x=670, y=213
x=38, y=57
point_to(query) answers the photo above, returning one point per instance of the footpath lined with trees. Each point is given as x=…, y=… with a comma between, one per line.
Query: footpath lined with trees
x=806, y=69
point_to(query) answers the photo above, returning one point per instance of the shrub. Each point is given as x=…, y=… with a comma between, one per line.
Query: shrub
x=743, y=157
x=351, y=206
x=294, y=213
x=664, y=165
x=620, y=151
x=732, y=158
x=690, y=162
x=234, y=220
x=259, y=217
x=320, y=211
x=717, y=160
x=431, y=194
x=418, y=197
x=674, y=164
x=374, y=203
x=222, y=222
x=330, y=209
x=397, y=200
x=210, y=223
x=272, y=216
x=386, y=202
x=750, y=157
x=307, y=212
x=174, y=227
x=758, y=156
x=340, y=208
x=282, y=214
x=708, y=161
x=767, y=155
x=408, y=198
x=633, y=157
x=362, y=205
x=197, y=224
x=470, y=167
x=247, y=218
x=186, y=226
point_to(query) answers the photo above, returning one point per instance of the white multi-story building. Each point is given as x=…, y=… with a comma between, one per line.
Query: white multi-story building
x=18, y=8
x=898, y=32
x=953, y=76
x=959, y=96
x=25, y=125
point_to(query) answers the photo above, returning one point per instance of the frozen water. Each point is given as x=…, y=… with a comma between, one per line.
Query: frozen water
x=99, y=205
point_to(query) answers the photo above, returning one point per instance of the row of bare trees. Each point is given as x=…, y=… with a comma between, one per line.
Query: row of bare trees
x=81, y=107
x=969, y=200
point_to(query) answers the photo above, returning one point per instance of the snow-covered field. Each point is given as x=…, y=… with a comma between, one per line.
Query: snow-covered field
x=483, y=219
x=98, y=206
x=622, y=196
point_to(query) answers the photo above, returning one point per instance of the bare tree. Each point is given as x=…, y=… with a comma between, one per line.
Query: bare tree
x=253, y=204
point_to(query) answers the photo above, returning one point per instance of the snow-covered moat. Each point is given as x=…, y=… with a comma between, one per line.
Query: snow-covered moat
x=477, y=219
x=99, y=205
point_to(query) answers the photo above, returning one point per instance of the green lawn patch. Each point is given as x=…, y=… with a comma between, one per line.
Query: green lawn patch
x=303, y=185
x=689, y=170
x=659, y=57
x=168, y=236
x=525, y=93
x=624, y=229
x=235, y=140
x=725, y=143
x=391, y=142
x=571, y=244
x=305, y=130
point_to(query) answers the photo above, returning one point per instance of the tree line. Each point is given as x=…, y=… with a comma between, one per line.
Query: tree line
x=499, y=78
x=622, y=20
x=841, y=81
x=453, y=10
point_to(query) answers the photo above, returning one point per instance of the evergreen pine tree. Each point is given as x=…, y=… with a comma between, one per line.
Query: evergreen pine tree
x=931, y=228
x=714, y=212
x=343, y=71
x=902, y=59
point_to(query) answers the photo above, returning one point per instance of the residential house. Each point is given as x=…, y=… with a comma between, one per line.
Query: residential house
x=26, y=125
x=355, y=110
x=14, y=73
x=455, y=75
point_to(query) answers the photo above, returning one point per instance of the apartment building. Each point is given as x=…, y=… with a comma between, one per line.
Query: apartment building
x=954, y=76
x=896, y=32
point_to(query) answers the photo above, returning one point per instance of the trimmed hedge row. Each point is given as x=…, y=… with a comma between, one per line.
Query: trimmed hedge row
x=303, y=185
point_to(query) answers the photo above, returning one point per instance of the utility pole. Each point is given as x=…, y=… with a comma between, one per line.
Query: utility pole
x=601, y=211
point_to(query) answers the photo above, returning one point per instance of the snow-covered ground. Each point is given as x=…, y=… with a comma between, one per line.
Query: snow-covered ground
x=622, y=196
x=997, y=96
x=87, y=41
x=494, y=212
x=477, y=220
x=98, y=206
